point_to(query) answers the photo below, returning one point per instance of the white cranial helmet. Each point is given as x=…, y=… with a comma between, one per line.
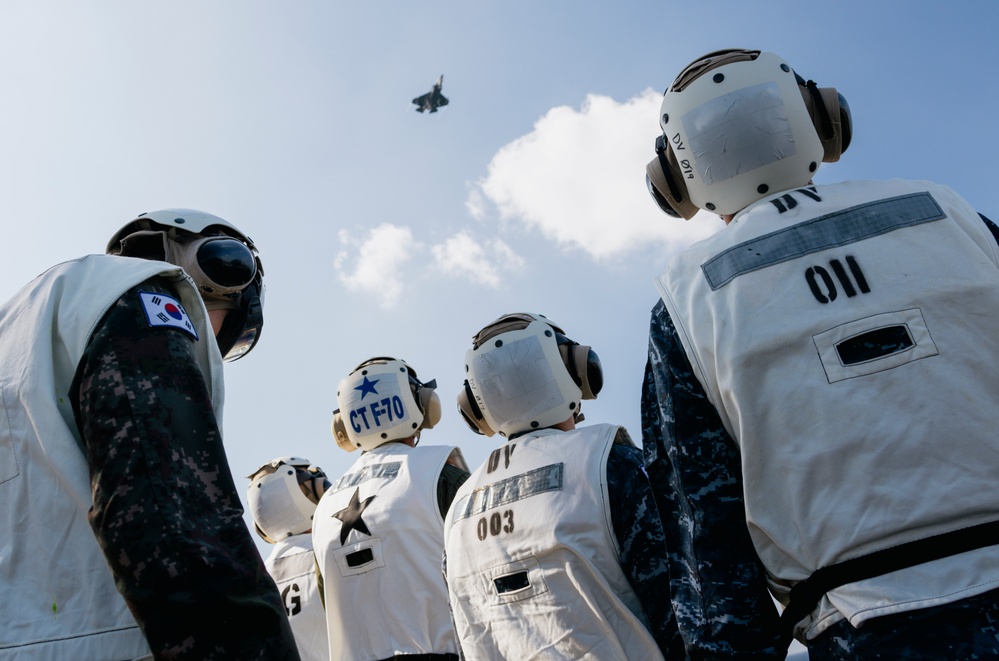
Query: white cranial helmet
x=221, y=260
x=282, y=497
x=382, y=400
x=523, y=374
x=739, y=125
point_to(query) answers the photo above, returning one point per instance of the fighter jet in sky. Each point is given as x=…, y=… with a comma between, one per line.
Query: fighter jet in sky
x=433, y=99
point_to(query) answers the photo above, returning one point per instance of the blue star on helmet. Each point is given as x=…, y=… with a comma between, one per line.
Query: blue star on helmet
x=367, y=386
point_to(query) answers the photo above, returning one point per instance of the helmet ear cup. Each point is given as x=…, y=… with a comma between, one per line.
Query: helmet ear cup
x=340, y=433
x=430, y=404
x=831, y=117
x=583, y=365
x=471, y=413
x=845, y=122
x=665, y=184
x=263, y=535
x=594, y=375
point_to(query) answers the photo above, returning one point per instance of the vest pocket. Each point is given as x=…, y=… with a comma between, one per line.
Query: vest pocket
x=514, y=581
x=874, y=344
x=359, y=557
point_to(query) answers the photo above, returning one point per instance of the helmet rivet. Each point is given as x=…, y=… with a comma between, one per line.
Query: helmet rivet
x=718, y=77
x=534, y=423
x=813, y=166
x=548, y=333
x=499, y=343
x=784, y=67
x=414, y=425
x=384, y=435
x=762, y=188
x=665, y=118
x=709, y=206
x=179, y=221
x=466, y=368
x=572, y=406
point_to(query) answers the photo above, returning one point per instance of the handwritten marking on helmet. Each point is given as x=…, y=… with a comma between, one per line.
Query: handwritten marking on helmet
x=390, y=407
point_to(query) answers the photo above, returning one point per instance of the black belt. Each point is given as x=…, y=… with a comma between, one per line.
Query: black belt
x=806, y=594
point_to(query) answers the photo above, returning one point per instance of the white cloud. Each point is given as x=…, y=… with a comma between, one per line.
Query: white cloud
x=374, y=263
x=462, y=255
x=475, y=203
x=579, y=179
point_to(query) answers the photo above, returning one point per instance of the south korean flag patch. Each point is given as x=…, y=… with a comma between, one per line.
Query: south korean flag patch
x=163, y=310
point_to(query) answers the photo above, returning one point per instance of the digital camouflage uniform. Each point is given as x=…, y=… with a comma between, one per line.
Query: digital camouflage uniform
x=718, y=586
x=450, y=481
x=166, y=511
x=641, y=539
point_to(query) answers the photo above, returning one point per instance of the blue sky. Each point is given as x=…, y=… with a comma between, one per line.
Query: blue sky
x=388, y=232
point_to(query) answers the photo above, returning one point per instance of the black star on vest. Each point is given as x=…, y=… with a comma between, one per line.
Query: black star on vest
x=351, y=516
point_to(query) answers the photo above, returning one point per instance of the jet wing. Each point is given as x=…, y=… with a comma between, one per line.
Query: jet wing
x=436, y=101
x=422, y=102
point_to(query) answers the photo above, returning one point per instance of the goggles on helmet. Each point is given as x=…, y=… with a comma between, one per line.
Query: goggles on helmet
x=220, y=266
x=224, y=261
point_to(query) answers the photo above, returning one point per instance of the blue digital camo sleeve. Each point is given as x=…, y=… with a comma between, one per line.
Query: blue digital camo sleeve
x=717, y=582
x=642, y=543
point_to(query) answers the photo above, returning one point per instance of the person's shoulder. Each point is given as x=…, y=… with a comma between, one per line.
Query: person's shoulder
x=109, y=262
x=618, y=433
x=874, y=188
x=429, y=448
x=115, y=267
x=70, y=265
x=622, y=447
x=627, y=452
x=625, y=468
x=622, y=437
